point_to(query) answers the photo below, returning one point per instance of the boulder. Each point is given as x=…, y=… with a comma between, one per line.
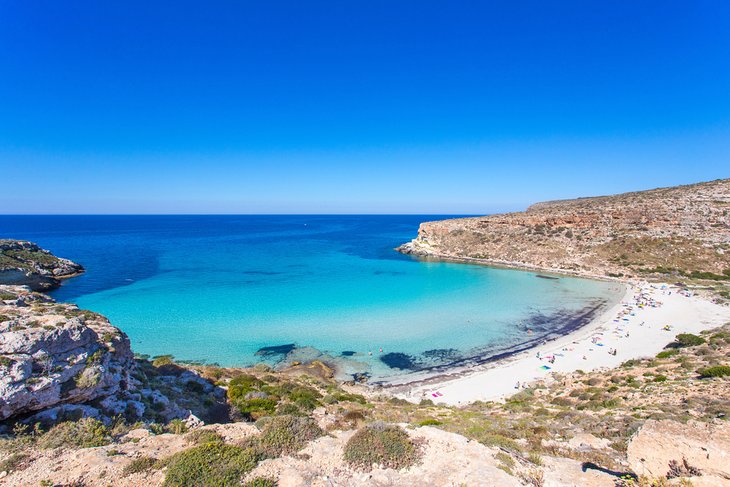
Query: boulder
x=662, y=448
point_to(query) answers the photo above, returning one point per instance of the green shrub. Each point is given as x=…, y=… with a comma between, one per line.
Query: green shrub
x=381, y=444
x=161, y=360
x=305, y=397
x=202, y=437
x=660, y=378
x=139, y=465
x=281, y=435
x=241, y=385
x=289, y=409
x=256, y=407
x=176, y=427
x=716, y=371
x=261, y=482
x=84, y=433
x=345, y=396
x=210, y=465
x=667, y=353
x=688, y=340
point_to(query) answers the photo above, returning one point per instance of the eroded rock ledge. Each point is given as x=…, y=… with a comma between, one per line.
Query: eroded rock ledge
x=25, y=263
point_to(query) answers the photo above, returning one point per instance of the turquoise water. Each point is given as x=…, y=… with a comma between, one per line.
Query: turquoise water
x=220, y=289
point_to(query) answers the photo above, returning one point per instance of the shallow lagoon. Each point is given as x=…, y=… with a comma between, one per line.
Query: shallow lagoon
x=221, y=288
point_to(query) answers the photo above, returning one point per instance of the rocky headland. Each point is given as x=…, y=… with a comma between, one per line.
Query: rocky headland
x=25, y=263
x=682, y=231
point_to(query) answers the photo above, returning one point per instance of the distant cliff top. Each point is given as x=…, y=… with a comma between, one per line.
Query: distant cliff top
x=25, y=263
x=681, y=230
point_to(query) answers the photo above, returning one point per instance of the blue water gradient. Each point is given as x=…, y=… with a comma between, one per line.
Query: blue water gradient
x=220, y=288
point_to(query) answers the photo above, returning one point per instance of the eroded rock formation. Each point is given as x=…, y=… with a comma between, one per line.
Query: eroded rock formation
x=684, y=229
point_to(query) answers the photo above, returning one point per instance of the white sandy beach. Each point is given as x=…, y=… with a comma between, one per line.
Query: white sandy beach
x=635, y=327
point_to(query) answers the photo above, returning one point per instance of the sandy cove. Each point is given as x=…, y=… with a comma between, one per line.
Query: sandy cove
x=647, y=319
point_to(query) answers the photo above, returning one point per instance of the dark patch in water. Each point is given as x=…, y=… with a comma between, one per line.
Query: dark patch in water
x=547, y=277
x=276, y=350
x=398, y=360
x=348, y=353
x=441, y=354
x=262, y=273
x=544, y=328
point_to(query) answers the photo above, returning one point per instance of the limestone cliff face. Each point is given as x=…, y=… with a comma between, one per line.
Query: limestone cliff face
x=683, y=228
x=59, y=361
x=53, y=353
x=25, y=263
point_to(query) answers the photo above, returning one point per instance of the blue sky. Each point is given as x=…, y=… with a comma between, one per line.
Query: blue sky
x=356, y=107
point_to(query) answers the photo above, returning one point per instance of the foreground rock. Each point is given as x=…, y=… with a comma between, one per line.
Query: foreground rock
x=672, y=449
x=683, y=230
x=52, y=354
x=58, y=362
x=25, y=263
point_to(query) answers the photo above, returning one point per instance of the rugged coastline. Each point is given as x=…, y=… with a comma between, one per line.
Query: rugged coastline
x=638, y=395
x=680, y=233
x=26, y=264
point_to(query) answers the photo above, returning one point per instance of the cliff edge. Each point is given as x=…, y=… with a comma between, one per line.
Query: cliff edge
x=682, y=230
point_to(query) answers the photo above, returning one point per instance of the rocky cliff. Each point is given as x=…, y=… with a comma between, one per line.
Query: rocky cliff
x=683, y=230
x=25, y=263
x=58, y=361
x=53, y=354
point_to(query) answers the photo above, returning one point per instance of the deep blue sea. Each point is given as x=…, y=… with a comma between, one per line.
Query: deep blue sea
x=236, y=290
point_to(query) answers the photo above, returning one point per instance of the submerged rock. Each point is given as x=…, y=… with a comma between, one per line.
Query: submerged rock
x=398, y=360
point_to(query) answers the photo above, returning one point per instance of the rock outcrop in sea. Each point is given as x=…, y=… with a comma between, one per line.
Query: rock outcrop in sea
x=25, y=263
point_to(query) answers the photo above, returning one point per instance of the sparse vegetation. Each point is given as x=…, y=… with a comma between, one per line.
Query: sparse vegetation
x=716, y=371
x=139, y=465
x=381, y=444
x=16, y=461
x=287, y=434
x=84, y=433
x=687, y=340
x=210, y=465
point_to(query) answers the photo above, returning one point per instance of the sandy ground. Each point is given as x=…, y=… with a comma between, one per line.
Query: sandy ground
x=647, y=318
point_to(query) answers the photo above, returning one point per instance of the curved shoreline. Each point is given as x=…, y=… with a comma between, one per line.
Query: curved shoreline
x=631, y=330
x=464, y=365
x=399, y=384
